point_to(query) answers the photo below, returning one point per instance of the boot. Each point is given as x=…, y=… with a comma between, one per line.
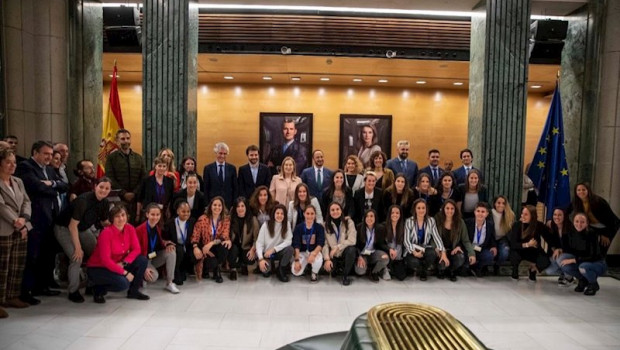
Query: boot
x=591, y=289
x=217, y=276
x=582, y=285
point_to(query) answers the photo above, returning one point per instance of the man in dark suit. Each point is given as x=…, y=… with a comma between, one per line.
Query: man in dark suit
x=460, y=173
x=289, y=148
x=44, y=188
x=433, y=169
x=368, y=197
x=13, y=141
x=317, y=177
x=403, y=165
x=253, y=174
x=220, y=177
x=482, y=236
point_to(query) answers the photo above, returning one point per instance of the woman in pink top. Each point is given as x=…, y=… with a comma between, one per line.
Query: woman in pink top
x=116, y=264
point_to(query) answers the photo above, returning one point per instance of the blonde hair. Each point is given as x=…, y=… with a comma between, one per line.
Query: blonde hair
x=171, y=166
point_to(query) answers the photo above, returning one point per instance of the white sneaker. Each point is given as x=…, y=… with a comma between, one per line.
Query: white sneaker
x=386, y=275
x=172, y=288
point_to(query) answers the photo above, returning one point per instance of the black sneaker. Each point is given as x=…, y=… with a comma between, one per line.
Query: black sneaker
x=452, y=276
x=217, y=276
x=233, y=275
x=346, y=281
x=76, y=297
x=441, y=274
x=99, y=299
x=532, y=277
x=581, y=286
x=138, y=296
x=423, y=276
x=374, y=277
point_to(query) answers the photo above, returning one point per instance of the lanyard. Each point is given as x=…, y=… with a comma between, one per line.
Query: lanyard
x=478, y=234
x=152, y=240
x=183, y=232
x=420, y=232
x=371, y=237
x=308, y=237
x=161, y=191
x=214, y=228
x=337, y=234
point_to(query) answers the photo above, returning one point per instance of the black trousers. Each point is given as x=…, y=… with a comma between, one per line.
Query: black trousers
x=429, y=258
x=284, y=257
x=211, y=263
x=533, y=255
x=184, y=264
x=104, y=280
x=346, y=260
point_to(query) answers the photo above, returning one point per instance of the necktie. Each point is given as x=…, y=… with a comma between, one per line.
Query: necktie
x=220, y=173
x=435, y=174
x=403, y=165
x=466, y=170
x=319, y=179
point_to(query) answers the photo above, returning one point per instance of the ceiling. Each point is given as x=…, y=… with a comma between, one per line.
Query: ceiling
x=250, y=69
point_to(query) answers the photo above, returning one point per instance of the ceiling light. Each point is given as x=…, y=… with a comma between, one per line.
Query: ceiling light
x=295, y=78
x=267, y=77
x=357, y=80
x=383, y=80
x=536, y=86
x=112, y=76
x=228, y=77
x=324, y=79
x=457, y=83
x=421, y=82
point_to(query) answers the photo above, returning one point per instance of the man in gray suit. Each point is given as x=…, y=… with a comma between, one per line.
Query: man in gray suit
x=403, y=165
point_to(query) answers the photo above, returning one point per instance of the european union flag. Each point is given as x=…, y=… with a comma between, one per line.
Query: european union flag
x=549, y=170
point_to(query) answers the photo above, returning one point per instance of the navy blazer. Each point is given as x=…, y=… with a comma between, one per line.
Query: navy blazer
x=215, y=187
x=169, y=232
x=148, y=192
x=43, y=198
x=308, y=176
x=246, y=181
x=296, y=150
x=427, y=169
x=460, y=176
x=489, y=239
x=412, y=170
x=359, y=201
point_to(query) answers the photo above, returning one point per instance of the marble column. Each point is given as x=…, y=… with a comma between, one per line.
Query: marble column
x=498, y=94
x=579, y=84
x=37, y=88
x=86, y=80
x=169, y=49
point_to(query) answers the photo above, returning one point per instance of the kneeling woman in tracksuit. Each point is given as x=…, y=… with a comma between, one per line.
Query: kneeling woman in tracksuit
x=308, y=241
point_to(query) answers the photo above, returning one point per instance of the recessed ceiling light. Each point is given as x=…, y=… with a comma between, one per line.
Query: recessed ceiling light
x=267, y=77
x=357, y=80
x=324, y=79
x=457, y=83
x=228, y=77
x=421, y=82
x=383, y=80
x=536, y=86
x=295, y=78
x=112, y=76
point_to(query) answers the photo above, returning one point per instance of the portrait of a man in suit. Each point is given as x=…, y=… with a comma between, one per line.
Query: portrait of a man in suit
x=286, y=135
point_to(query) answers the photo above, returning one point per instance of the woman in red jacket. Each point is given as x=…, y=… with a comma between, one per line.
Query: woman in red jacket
x=159, y=251
x=116, y=263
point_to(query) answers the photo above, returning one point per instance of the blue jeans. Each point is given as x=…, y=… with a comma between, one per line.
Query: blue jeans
x=592, y=270
x=105, y=280
x=484, y=258
x=503, y=251
x=557, y=269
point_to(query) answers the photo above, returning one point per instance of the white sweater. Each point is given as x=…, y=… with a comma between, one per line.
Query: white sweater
x=265, y=242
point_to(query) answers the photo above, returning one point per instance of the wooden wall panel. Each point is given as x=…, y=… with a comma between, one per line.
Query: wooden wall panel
x=428, y=118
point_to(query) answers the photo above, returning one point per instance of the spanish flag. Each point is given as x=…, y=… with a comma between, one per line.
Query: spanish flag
x=112, y=123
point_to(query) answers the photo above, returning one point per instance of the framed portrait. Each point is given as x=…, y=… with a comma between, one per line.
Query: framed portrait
x=362, y=135
x=286, y=135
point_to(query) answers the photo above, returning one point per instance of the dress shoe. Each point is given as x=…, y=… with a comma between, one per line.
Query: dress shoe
x=45, y=292
x=138, y=296
x=15, y=303
x=99, y=299
x=76, y=297
x=29, y=299
x=3, y=313
x=452, y=276
x=423, y=276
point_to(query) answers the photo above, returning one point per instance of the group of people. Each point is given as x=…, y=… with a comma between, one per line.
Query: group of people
x=390, y=218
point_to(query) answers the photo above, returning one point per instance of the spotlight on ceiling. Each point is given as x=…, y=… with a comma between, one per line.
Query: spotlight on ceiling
x=285, y=50
x=390, y=54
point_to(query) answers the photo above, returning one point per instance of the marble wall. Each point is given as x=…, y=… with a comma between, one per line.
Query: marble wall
x=36, y=92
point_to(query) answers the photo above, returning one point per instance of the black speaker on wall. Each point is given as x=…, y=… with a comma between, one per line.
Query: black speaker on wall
x=121, y=16
x=547, y=41
x=123, y=36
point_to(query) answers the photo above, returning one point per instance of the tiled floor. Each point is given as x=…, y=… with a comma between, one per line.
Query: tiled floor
x=255, y=313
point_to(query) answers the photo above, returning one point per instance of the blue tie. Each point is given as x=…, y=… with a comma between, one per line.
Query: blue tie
x=220, y=174
x=403, y=165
